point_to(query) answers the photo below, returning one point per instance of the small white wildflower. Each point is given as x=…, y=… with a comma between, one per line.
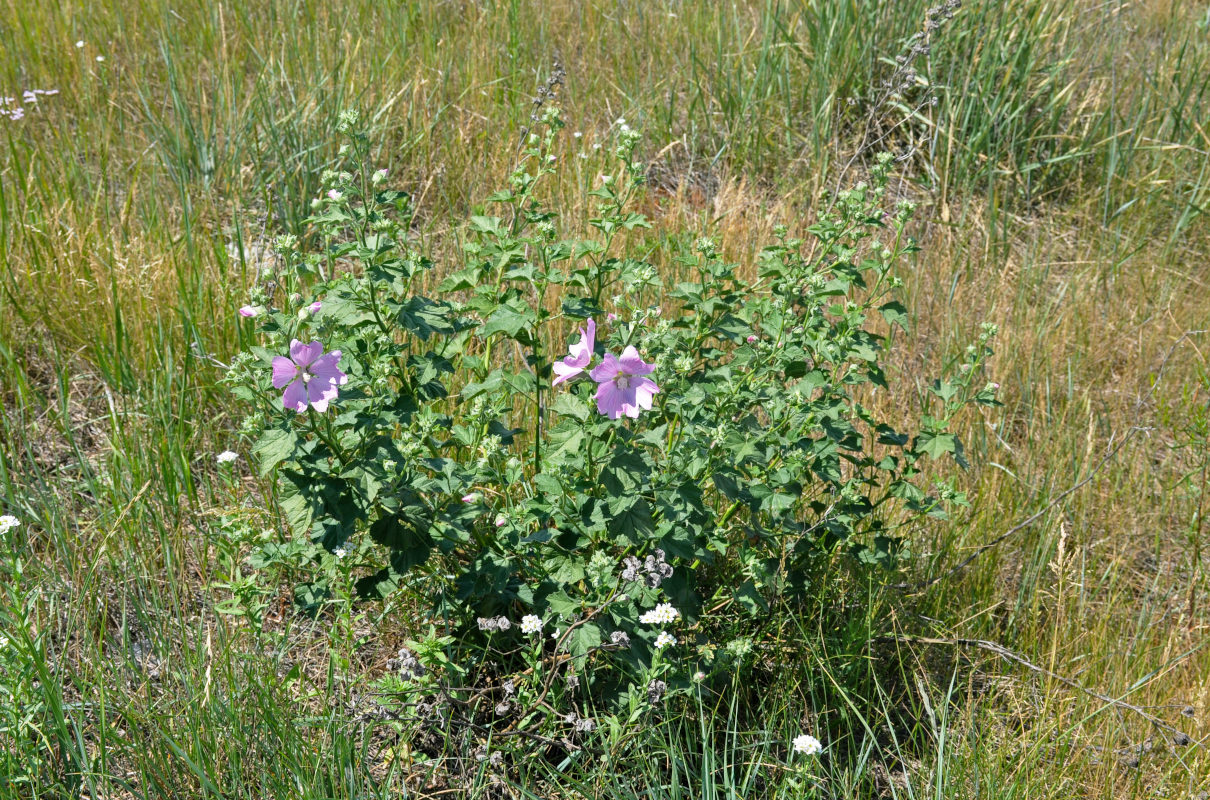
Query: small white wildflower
x=663, y=614
x=577, y=134
x=664, y=639
x=807, y=745
x=8, y=522
x=100, y=58
x=531, y=624
x=226, y=457
x=340, y=552
x=79, y=44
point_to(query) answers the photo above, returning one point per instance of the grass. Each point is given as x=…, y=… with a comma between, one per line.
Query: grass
x=1064, y=175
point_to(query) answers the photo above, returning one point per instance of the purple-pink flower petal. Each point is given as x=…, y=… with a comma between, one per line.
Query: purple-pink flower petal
x=632, y=364
x=644, y=390
x=581, y=351
x=324, y=369
x=304, y=354
x=284, y=371
x=606, y=370
x=564, y=371
x=295, y=396
x=320, y=393
x=579, y=355
x=610, y=399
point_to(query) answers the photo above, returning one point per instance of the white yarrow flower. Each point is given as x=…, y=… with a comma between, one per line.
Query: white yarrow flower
x=531, y=624
x=226, y=457
x=664, y=639
x=8, y=522
x=663, y=614
x=807, y=745
x=340, y=552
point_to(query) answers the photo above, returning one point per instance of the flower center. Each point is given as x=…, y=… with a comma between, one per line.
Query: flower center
x=622, y=382
x=306, y=376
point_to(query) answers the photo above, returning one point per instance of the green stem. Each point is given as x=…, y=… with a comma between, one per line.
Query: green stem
x=326, y=439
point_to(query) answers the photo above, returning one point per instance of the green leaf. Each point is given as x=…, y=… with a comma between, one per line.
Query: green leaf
x=749, y=599
x=631, y=521
x=275, y=446
x=296, y=500
x=580, y=307
x=568, y=405
x=507, y=320
x=424, y=317
x=895, y=314
x=490, y=384
x=405, y=534
x=562, y=605
x=487, y=225
x=583, y=639
x=936, y=445
x=565, y=571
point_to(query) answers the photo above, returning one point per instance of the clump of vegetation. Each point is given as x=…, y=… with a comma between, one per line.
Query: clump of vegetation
x=584, y=523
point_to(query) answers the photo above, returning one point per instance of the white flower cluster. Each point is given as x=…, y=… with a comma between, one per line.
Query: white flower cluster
x=226, y=457
x=664, y=639
x=531, y=624
x=807, y=745
x=663, y=614
x=7, y=523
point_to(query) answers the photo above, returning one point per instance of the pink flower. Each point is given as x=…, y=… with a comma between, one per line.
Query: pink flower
x=309, y=376
x=752, y=339
x=251, y=311
x=623, y=388
x=314, y=307
x=581, y=355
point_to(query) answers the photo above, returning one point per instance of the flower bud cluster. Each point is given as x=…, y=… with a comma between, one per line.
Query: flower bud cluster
x=493, y=624
x=651, y=571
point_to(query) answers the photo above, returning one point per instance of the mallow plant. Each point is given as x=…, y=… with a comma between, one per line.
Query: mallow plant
x=581, y=466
